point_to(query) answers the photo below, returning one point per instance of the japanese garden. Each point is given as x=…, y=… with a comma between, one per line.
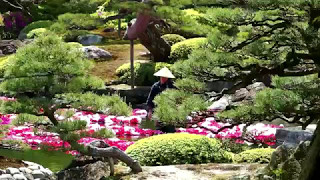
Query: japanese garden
x=159, y=89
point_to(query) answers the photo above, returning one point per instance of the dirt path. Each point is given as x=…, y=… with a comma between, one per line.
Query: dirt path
x=121, y=55
x=210, y=171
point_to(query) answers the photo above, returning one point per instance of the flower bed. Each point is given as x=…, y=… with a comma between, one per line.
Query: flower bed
x=129, y=128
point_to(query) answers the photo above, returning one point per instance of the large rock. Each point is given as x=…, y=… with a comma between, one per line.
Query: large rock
x=6, y=177
x=221, y=104
x=98, y=54
x=292, y=136
x=90, y=39
x=10, y=46
x=94, y=171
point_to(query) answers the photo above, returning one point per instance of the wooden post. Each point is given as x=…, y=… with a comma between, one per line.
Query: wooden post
x=132, y=63
x=119, y=28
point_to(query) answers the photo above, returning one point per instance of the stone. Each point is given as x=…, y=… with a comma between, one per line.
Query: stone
x=29, y=163
x=25, y=170
x=240, y=94
x=38, y=174
x=47, y=172
x=90, y=39
x=6, y=177
x=257, y=86
x=240, y=177
x=2, y=171
x=19, y=177
x=292, y=136
x=92, y=171
x=34, y=167
x=221, y=104
x=22, y=36
x=28, y=176
x=265, y=177
x=98, y=54
x=12, y=171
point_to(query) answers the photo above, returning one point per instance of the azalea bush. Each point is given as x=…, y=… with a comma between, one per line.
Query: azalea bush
x=173, y=106
x=169, y=149
x=259, y=155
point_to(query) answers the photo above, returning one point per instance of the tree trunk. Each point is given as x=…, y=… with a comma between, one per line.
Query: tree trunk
x=311, y=164
x=114, y=152
x=158, y=47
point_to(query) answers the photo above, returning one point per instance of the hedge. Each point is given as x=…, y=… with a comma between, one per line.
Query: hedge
x=143, y=72
x=36, y=25
x=182, y=49
x=258, y=155
x=178, y=148
x=173, y=38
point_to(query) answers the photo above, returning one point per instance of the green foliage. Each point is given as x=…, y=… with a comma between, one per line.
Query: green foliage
x=23, y=118
x=78, y=21
x=231, y=145
x=190, y=85
x=173, y=38
x=48, y=66
x=3, y=64
x=72, y=35
x=89, y=101
x=36, y=33
x=16, y=143
x=3, y=130
x=170, y=149
x=182, y=49
x=143, y=72
x=259, y=155
x=36, y=25
x=173, y=106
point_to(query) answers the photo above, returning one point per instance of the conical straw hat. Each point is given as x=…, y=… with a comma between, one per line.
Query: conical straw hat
x=164, y=72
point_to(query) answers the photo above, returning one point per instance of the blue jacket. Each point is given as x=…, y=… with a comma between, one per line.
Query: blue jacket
x=156, y=89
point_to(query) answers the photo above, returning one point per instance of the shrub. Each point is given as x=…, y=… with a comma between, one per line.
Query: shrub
x=21, y=119
x=36, y=25
x=3, y=64
x=258, y=155
x=72, y=35
x=36, y=33
x=190, y=85
x=181, y=148
x=173, y=38
x=173, y=106
x=182, y=49
x=78, y=21
x=75, y=44
x=143, y=72
x=231, y=145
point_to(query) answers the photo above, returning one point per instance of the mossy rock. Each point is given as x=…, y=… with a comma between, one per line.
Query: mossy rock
x=172, y=39
x=178, y=148
x=182, y=49
x=258, y=155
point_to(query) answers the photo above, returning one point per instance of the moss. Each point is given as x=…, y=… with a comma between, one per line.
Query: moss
x=178, y=148
x=182, y=49
x=173, y=38
x=260, y=155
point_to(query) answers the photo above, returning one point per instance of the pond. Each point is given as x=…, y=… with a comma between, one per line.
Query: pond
x=54, y=160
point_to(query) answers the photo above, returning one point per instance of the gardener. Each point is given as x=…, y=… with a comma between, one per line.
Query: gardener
x=164, y=83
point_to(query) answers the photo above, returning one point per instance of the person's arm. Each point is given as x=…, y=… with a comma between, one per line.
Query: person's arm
x=150, y=104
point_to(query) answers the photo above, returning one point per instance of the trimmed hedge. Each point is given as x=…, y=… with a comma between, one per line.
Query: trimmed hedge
x=178, y=148
x=182, y=49
x=36, y=25
x=173, y=38
x=78, y=21
x=143, y=72
x=258, y=155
